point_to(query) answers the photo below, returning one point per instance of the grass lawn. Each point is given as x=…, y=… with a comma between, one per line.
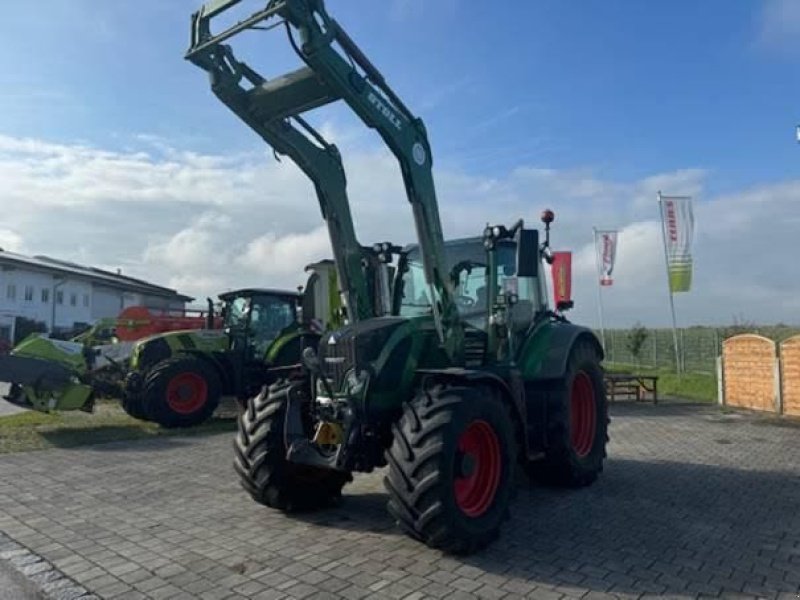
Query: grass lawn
x=37, y=431
x=691, y=386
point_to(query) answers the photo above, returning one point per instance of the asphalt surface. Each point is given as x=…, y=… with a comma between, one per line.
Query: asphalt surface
x=693, y=503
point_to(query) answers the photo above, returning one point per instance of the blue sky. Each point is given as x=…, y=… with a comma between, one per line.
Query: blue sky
x=613, y=94
x=617, y=85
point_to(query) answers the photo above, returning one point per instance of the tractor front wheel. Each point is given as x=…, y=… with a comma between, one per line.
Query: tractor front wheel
x=134, y=407
x=132, y=401
x=451, y=466
x=180, y=392
x=260, y=456
x=577, y=423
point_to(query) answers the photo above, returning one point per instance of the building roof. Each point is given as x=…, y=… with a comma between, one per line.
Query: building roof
x=94, y=274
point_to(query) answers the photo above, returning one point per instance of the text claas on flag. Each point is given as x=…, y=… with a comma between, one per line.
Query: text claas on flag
x=678, y=223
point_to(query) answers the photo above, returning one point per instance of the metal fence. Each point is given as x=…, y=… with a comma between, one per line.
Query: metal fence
x=699, y=346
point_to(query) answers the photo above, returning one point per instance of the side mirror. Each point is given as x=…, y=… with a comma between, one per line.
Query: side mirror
x=528, y=253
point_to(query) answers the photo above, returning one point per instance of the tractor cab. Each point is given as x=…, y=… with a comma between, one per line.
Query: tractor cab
x=499, y=288
x=254, y=318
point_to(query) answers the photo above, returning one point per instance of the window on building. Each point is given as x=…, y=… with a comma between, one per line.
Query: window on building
x=45, y=295
x=86, y=299
x=11, y=291
x=73, y=299
x=28, y=293
x=59, y=297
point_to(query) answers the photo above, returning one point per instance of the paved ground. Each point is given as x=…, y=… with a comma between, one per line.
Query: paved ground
x=14, y=585
x=6, y=408
x=692, y=502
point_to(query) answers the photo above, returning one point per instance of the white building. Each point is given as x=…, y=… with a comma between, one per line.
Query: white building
x=64, y=295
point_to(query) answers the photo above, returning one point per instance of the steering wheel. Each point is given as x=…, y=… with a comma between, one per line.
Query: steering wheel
x=465, y=301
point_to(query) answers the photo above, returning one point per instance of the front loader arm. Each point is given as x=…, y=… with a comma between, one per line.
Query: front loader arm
x=332, y=75
x=320, y=161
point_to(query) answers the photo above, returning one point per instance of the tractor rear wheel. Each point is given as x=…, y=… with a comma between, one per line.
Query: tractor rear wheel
x=577, y=423
x=451, y=468
x=181, y=392
x=260, y=456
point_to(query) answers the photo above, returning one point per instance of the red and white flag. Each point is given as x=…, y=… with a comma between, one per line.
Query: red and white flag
x=606, y=246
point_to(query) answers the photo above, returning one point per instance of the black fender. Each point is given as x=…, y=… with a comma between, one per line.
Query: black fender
x=546, y=381
x=151, y=353
x=564, y=336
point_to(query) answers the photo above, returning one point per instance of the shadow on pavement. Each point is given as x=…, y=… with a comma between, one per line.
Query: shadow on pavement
x=78, y=437
x=643, y=527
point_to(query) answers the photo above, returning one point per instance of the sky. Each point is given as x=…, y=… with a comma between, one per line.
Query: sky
x=115, y=153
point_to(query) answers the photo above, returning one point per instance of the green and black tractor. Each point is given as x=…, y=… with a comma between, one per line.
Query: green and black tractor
x=178, y=378
x=464, y=376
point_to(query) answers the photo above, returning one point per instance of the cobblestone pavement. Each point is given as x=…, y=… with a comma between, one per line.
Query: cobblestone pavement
x=692, y=502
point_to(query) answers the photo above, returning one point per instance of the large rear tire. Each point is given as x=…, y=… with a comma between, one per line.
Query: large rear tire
x=451, y=468
x=181, y=392
x=577, y=423
x=260, y=456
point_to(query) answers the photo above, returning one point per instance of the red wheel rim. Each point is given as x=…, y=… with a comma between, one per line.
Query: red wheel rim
x=186, y=393
x=475, y=491
x=583, y=417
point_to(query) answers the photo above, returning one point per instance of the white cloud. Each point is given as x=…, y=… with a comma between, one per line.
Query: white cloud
x=10, y=240
x=272, y=254
x=207, y=223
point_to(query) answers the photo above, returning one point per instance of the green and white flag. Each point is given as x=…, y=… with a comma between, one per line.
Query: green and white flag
x=678, y=226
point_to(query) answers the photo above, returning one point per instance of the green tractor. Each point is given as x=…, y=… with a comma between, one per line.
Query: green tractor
x=177, y=379
x=468, y=375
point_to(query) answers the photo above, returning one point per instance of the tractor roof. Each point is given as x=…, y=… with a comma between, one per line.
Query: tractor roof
x=258, y=292
x=466, y=247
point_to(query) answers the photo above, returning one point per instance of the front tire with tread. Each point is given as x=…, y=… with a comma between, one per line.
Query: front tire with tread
x=260, y=457
x=423, y=461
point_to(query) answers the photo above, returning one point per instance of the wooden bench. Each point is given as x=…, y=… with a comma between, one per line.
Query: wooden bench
x=630, y=386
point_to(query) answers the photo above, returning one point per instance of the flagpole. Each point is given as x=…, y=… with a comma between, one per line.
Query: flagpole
x=669, y=285
x=599, y=292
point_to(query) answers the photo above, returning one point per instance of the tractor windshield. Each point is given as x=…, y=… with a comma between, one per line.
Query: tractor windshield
x=270, y=315
x=467, y=261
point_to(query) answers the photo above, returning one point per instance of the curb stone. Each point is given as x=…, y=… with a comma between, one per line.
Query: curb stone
x=52, y=583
